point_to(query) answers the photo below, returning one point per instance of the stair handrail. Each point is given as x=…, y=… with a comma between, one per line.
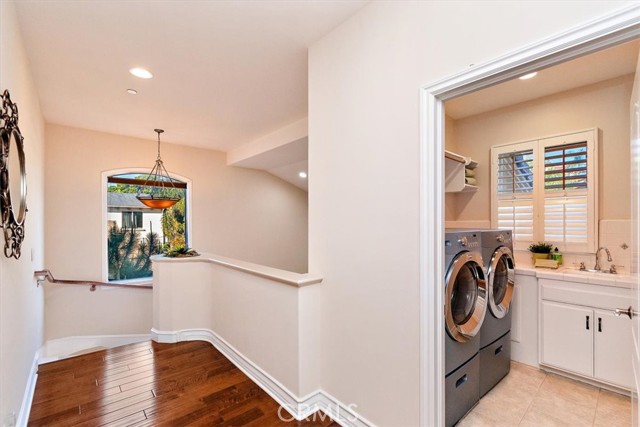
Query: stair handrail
x=46, y=275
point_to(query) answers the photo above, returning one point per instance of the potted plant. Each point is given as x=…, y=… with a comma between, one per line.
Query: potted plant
x=540, y=250
x=180, y=252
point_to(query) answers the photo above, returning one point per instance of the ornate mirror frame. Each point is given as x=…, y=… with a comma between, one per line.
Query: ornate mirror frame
x=12, y=221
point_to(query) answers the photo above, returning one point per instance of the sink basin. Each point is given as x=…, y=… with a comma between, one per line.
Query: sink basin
x=591, y=270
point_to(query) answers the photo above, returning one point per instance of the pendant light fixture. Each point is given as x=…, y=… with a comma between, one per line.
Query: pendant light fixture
x=161, y=183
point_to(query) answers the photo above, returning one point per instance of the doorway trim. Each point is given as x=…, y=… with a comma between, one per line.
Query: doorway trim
x=606, y=31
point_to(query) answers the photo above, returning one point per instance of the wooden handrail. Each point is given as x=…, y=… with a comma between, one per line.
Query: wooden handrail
x=42, y=275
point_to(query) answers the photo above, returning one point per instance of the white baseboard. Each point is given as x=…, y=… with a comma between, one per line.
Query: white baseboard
x=61, y=348
x=599, y=384
x=298, y=408
x=345, y=415
x=27, y=398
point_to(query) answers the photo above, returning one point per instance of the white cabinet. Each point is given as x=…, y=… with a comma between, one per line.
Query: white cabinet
x=612, y=348
x=568, y=337
x=580, y=334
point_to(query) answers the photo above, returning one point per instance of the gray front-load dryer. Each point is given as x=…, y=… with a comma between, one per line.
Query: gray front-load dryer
x=465, y=308
x=495, y=338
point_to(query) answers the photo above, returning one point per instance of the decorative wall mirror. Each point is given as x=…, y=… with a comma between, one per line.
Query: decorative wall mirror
x=13, y=178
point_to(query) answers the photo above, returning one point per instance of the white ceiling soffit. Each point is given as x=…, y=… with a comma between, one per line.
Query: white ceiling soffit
x=596, y=67
x=225, y=72
x=285, y=154
x=290, y=173
x=282, y=153
x=285, y=161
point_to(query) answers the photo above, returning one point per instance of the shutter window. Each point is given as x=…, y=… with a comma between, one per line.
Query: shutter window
x=565, y=167
x=565, y=220
x=517, y=215
x=515, y=195
x=515, y=173
x=565, y=195
x=546, y=189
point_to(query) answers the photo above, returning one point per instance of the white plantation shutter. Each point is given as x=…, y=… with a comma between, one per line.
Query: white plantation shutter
x=515, y=173
x=565, y=167
x=514, y=182
x=568, y=211
x=566, y=220
x=517, y=215
x=546, y=190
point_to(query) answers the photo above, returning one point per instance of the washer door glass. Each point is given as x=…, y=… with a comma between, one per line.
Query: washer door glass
x=466, y=295
x=501, y=282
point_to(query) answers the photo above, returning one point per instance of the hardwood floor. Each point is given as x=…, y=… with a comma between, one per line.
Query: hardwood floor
x=151, y=384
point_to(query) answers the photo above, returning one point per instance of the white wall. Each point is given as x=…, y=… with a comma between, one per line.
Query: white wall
x=604, y=105
x=364, y=80
x=255, y=315
x=240, y=213
x=21, y=312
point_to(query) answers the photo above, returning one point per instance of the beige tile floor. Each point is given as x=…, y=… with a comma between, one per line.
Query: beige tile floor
x=530, y=397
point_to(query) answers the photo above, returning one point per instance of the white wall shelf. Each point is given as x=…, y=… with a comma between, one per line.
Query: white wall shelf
x=454, y=173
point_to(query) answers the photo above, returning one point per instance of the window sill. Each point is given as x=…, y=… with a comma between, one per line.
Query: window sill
x=144, y=281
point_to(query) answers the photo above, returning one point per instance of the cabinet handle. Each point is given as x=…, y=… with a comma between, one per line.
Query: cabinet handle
x=587, y=323
x=599, y=324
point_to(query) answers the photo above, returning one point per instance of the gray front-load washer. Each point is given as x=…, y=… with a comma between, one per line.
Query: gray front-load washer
x=465, y=308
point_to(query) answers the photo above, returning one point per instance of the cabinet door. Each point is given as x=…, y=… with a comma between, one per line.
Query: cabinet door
x=567, y=337
x=613, y=349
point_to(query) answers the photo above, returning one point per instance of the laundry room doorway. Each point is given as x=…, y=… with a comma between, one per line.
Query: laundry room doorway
x=615, y=29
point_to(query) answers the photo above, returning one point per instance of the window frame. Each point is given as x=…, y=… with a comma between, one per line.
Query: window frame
x=538, y=146
x=104, y=231
x=133, y=215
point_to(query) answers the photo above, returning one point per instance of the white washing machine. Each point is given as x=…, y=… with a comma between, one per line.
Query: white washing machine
x=495, y=333
x=465, y=308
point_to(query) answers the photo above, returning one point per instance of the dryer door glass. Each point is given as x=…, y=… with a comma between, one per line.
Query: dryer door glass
x=500, y=280
x=501, y=276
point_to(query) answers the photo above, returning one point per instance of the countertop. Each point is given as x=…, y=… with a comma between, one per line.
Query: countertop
x=569, y=274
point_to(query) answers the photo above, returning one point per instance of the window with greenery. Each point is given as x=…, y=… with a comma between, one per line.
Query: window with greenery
x=135, y=231
x=546, y=189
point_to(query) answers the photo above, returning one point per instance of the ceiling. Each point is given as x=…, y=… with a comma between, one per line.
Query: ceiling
x=600, y=66
x=225, y=72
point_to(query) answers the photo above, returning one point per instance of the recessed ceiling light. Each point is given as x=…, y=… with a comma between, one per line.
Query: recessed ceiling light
x=528, y=76
x=141, y=72
x=302, y=174
x=132, y=91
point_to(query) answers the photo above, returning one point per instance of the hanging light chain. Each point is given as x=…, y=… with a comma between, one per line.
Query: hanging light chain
x=158, y=131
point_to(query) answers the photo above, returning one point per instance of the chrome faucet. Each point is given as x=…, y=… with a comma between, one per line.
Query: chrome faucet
x=597, y=266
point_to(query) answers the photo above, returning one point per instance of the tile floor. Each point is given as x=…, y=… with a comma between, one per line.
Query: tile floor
x=530, y=397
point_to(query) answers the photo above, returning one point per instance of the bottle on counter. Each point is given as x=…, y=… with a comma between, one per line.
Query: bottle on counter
x=556, y=256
